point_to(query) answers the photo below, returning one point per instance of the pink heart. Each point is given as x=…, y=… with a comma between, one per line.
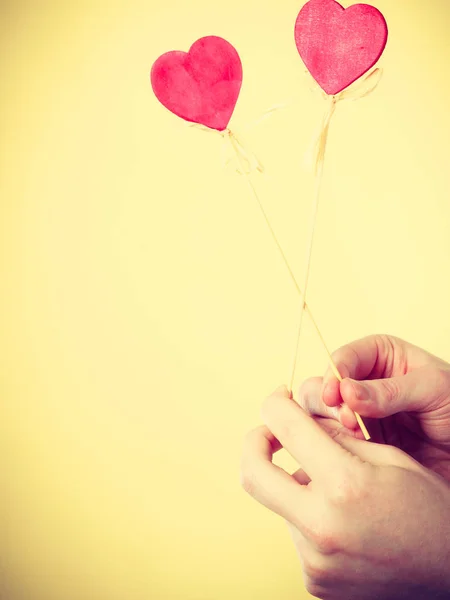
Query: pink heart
x=339, y=45
x=202, y=85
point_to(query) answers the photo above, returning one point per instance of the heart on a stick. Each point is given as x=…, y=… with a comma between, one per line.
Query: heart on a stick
x=339, y=45
x=202, y=85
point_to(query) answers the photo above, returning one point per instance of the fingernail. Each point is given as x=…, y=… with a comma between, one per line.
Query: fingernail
x=362, y=392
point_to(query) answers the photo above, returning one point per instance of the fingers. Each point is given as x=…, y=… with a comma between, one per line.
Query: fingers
x=375, y=454
x=331, y=427
x=268, y=483
x=310, y=399
x=330, y=391
x=420, y=390
x=369, y=357
x=298, y=434
x=320, y=456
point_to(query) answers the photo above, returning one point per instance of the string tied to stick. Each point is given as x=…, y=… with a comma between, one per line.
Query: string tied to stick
x=362, y=88
x=235, y=150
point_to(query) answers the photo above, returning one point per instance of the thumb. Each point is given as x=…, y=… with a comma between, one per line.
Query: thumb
x=420, y=390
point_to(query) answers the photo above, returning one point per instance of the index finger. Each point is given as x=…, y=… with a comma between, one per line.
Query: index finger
x=315, y=450
x=371, y=357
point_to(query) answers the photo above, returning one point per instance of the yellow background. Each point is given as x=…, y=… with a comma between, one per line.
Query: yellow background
x=144, y=312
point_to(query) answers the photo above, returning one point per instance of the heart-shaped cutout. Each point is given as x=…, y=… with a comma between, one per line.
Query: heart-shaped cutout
x=202, y=85
x=339, y=45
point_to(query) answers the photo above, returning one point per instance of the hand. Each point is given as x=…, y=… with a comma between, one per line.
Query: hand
x=369, y=522
x=405, y=397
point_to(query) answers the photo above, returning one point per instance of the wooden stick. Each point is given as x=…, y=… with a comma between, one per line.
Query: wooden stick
x=236, y=147
x=309, y=246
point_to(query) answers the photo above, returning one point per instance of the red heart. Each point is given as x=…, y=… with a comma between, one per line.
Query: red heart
x=339, y=45
x=202, y=85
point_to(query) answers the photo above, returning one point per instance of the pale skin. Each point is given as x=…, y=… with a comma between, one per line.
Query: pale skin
x=370, y=520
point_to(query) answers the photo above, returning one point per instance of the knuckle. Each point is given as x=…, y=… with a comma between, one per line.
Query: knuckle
x=317, y=575
x=389, y=389
x=313, y=588
x=325, y=538
x=381, y=340
x=327, y=541
x=351, y=488
x=390, y=348
x=314, y=572
x=343, y=493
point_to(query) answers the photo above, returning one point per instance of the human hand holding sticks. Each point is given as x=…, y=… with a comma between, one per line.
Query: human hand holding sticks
x=369, y=520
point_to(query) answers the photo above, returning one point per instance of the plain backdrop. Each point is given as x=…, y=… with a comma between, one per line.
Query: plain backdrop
x=144, y=311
